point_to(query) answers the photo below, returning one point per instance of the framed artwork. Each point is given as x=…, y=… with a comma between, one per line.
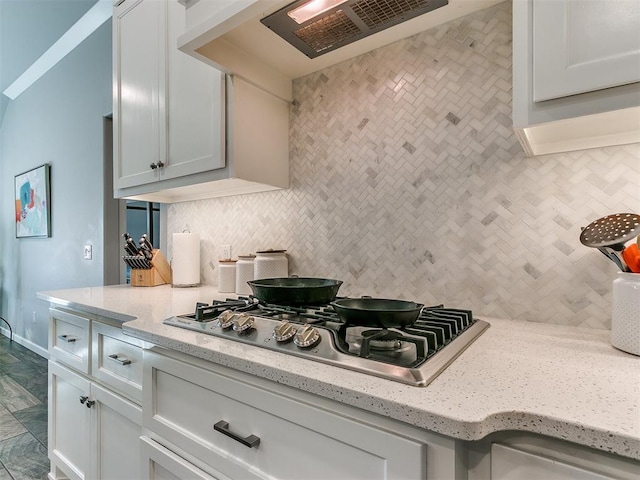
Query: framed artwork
x=33, y=205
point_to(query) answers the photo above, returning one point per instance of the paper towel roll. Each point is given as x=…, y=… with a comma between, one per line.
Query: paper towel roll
x=186, y=259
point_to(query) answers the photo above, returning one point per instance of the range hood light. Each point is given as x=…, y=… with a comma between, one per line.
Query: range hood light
x=312, y=9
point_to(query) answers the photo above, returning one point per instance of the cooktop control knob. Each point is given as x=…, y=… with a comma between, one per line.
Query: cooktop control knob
x=242, y=322
x=225, y=319
x=284, y=331
x=306, y=337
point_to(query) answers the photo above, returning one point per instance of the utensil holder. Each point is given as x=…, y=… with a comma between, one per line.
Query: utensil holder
x=156, y=271
x=625, y=316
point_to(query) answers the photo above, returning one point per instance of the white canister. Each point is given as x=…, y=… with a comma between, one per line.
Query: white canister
x=625, y=316
x=226, y=276
x=271, y=264
x=244, y=273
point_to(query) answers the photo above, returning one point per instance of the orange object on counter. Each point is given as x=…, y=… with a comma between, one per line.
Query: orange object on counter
x=631, y=256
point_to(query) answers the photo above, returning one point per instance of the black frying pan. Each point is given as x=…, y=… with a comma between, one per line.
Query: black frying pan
x=295, y=290
x=377, y=312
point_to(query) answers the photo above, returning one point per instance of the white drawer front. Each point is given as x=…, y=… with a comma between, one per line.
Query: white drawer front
x=117, y=360
x=159, y=463
x=69, y=339
x=185, y=402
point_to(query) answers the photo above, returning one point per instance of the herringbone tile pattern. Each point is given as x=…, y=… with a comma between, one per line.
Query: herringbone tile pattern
x=408, y=182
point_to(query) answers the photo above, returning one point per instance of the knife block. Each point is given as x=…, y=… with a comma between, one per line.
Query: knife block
x=158, y=274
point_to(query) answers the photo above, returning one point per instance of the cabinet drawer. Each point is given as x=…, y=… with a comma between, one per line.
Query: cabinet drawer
x=117, y=360
x=215, y=418
x=511, y=464
x=160, y=463
x=69, y=336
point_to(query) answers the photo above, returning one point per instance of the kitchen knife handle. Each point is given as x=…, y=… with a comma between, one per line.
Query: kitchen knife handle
x=121, y=360
x=223, y=427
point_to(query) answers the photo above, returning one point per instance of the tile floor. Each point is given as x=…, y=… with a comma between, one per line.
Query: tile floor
x=23, y=413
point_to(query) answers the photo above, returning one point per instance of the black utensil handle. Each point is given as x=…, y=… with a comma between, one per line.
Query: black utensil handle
x=250, y=441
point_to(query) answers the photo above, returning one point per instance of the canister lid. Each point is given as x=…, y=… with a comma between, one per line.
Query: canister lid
x=271, y=250
x=246, y=257
x=226, y=260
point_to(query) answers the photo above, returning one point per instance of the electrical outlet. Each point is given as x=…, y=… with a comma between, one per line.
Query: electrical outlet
x=226, y=251
x=88, y=252
x=35, y=317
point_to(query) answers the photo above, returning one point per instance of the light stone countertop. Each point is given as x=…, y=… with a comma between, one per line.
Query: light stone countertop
x=564, y=382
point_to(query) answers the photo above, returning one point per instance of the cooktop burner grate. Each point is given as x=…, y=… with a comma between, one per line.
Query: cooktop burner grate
x=413, y=354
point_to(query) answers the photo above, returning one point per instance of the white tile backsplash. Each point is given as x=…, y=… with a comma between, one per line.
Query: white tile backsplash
x=407, y=181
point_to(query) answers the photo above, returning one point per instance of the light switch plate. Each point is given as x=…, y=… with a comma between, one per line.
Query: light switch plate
x=88, y=252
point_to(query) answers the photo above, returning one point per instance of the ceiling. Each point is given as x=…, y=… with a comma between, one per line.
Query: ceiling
x=27, y=29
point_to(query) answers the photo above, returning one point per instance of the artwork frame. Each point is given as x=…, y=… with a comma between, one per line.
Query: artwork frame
x=33, y=202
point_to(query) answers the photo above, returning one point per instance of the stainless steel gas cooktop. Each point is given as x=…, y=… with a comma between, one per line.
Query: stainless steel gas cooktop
x=414, y=354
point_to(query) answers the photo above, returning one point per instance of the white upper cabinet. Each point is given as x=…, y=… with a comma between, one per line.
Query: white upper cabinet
x=173, y=117
x=168, y=107
x=576, y=74
x=583, y=46
x=137, y=81
x=194, y=107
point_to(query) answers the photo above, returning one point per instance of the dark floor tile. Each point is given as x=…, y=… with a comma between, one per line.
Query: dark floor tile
x=9, y=426
x=4, y=475
x=33, y=380
x=24, y=457
x=14, y=396
x=7, y=360
x=35, y=420
x=23, y=354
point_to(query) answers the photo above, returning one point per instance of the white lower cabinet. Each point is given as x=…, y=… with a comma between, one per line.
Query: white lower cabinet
x=235, y=425
x=95, y=391
x=69, y=422
x=93, y=433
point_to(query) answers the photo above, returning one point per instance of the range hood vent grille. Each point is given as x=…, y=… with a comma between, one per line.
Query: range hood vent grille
x=345, y=23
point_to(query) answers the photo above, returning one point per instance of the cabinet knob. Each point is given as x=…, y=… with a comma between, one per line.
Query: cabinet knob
x=83, y=399
x=90, y=403
x=156, y=165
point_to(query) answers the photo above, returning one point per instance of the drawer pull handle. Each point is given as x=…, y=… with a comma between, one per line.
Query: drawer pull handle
x=67, y=338
x=90, y=403
x=83, y=399
x=120, y=360
x=250, y=441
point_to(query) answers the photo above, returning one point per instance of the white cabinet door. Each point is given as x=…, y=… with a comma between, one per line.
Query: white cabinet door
x=169, y=108
x=93, y=433
x=116, y=431
x=195, y=113
x=583, y=46
x=510, y=464
x=138, y=76
x=69, y=422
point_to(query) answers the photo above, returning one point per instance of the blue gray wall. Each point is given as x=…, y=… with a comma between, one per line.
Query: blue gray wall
x=58, y=120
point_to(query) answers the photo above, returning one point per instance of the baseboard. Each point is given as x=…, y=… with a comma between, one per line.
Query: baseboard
x=26, y=343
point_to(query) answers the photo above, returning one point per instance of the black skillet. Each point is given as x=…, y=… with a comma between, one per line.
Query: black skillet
x=377, y=312
x=295, y=290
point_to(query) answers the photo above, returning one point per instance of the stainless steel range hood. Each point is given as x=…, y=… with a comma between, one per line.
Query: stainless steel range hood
x=317, y=27
x=232, y=34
